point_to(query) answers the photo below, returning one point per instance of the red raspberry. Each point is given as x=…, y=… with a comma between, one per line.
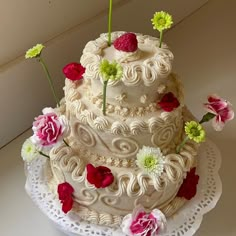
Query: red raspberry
x=126, y=42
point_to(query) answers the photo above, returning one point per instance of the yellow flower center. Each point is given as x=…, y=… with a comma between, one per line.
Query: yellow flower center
x=111, y=70
x=162, y=21
x=28, y=149
x=195, y=132
x=150, y=161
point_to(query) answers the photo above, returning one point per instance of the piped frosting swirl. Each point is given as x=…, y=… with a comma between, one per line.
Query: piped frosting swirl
x=148, y=64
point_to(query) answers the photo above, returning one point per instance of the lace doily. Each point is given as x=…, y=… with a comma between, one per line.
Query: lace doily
x=184, y=223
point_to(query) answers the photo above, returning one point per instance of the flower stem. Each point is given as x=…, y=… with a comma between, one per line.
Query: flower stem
x=41, y=153
x=181, y=144
x=49, y=80
x=109, y=23
x=65, y=143
x=161, y=36
x=104, y=97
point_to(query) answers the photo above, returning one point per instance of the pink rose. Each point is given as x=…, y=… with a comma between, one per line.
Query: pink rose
x=144, y=224
x=49, y=128
x=74, y=71
x=221, y=109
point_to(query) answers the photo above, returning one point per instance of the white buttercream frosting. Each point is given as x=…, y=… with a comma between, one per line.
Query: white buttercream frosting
x=133, y=120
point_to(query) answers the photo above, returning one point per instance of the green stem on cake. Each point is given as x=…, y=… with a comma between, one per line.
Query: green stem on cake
x=109, y=23
x=41, y=153
x=181, y=145
x=66, y=143
x=104, y=97
x=49, y=80
x=161, y=36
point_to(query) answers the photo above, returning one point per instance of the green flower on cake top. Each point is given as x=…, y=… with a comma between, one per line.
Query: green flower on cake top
x=110, y=71
x=161, y=21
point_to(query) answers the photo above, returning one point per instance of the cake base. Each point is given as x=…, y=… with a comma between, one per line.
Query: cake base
x=184, y=223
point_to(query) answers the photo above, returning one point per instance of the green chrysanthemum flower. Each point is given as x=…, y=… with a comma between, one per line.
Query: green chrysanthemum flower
x=161, y=21
x=28, y=151
x=110, y=71
x=34, y=51
x=195, y=131
x=150, y=160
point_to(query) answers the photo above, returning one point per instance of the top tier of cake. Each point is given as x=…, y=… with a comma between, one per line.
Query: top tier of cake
x=145, y=71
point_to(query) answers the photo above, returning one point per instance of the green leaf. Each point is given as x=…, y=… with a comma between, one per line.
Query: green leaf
x=208, y=116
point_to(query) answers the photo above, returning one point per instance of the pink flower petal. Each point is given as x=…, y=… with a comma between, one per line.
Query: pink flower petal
x=213, y=98
x=221, y=108
x=226, y=114
x=217, y=124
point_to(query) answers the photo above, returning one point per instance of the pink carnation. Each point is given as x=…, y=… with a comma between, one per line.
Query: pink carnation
x=221, y=109
x=49, y=128
x=144, y=224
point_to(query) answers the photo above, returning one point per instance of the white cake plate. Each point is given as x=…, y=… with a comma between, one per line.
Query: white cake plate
x=184, y=223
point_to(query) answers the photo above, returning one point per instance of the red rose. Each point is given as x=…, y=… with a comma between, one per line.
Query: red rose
x=65, y=191
x=74, y=71
x=169, y=102
x=100, y=176
x=188, y=189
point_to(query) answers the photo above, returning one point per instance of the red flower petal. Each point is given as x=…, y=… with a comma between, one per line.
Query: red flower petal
x=93, y=176
x=64, y=190
x=107, y=180
x=67, y=205
x=74, y=71
x=103, y=169
x=188, y=189
x=100, y=176
x=90, y=168
x=169, y=102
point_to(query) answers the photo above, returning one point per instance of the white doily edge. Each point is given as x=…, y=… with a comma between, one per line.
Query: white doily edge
x=199, y=217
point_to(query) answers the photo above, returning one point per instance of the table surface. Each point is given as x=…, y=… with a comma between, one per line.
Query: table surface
x=204, y=46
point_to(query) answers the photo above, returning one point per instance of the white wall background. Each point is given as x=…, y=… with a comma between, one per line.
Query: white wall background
x=64, y=27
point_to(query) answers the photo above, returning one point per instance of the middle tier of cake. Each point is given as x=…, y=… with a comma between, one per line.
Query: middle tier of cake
x=123, y=131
